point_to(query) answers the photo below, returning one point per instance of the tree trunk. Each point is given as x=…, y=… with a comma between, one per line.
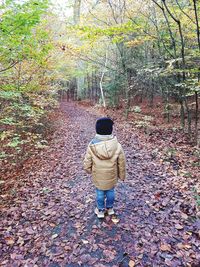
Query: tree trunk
x=188, y=118
x=96, y=87
x=196, y=118
x=87, y=94
x=101, y=81
x=80, y=64
x=197, y=23
x=77, y=8
x=196, y=94
x=182, y=111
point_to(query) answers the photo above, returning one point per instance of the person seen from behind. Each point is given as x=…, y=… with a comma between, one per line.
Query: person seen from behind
x=105, y=160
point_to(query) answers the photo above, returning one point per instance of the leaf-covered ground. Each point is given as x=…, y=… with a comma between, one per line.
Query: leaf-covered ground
x=51, y=222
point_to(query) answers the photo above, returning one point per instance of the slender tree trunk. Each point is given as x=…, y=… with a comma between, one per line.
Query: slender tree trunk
x=120, y=47
x=167, y=109
x=77, y=8
x=188, y=117
x=75, y=90
x=80, y=81
x=196, y=94
x=182, y=109
x=178, y=22
x=91, y=89
x=197, y=137
x=197, y=22
x=19, y=75
x=152, y=93
x=101, y=81
x=96, y=86
x=173, y=41
x=182, y=112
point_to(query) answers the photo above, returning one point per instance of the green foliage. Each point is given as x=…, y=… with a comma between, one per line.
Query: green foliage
x=23, y=121
x=3, y=155
x=113, y=88
x=9, y=95
x=41, y=144
x=198, y=200
x=197, y=197
x=142, y=124
x=16, y=26
x=118, y=33
x=25, y=45
x=143, y=57
x=168, y=107
x=136, y=109
x=15, y=142
x=148, y=118
x=25, y=93
x=5, y=134
x=169, y=153
x=8, y=121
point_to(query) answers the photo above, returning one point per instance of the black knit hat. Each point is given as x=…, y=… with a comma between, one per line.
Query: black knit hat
x=104, y=126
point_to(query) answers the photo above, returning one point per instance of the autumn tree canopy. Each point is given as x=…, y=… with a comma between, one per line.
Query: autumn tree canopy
x=110, y=52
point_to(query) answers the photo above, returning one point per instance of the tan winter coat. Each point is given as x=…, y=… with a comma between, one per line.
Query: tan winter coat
x=105, y=160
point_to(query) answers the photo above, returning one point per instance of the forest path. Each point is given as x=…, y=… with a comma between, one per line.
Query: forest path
x=51, y=221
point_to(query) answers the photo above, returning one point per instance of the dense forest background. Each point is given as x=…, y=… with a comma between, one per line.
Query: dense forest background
x=120, y=54
x=64, y=64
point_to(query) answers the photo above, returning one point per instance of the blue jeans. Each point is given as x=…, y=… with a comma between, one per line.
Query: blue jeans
x=105, y=198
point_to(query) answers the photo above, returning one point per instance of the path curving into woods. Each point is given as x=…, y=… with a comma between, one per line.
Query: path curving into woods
x=51, y=222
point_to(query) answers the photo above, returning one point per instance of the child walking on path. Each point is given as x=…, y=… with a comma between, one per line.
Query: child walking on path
x=105, y=160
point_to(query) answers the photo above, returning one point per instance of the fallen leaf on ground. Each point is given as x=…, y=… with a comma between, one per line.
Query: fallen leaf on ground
x=165, y=247
x=9, y=240
x=84, y=241
x=131, y=263
x=54, y=236
x=179, y=226
x=115, y=220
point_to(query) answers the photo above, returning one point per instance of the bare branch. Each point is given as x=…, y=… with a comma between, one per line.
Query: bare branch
x=113, y=12
x=184, y=12
x=11, y=66
x=170, y=13
x=197, y=23
x=158, y=5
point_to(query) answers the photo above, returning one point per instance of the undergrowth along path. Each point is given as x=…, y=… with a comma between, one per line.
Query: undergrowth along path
x=51, y=220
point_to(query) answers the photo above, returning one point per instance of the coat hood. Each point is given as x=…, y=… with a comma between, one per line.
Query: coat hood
x=105, y=148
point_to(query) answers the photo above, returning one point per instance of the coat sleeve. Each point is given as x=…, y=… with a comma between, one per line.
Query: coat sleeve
x=87, y=162
x=121, y=163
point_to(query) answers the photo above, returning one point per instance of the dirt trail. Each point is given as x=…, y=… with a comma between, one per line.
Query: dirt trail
x=51, y=220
